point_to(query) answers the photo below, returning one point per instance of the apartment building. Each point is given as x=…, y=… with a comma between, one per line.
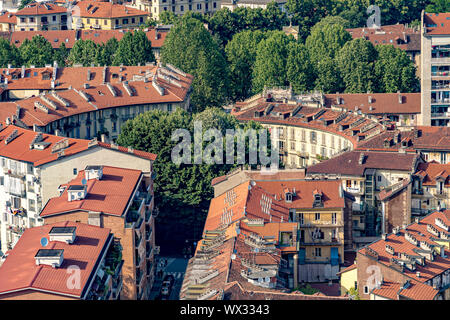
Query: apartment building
x=435, y=66
x=42, y=16
x=156, y=35
x=106, y=16
x=63, y=261
x=430, y=188
x=364, y=174
x=269, y=236
x=252, y=4
x=411, y=263
x=8, y=21
x=9, y=5
x=35, y=164
x=121, y=200
x=305, y=131
x=431, y=142
x=98, y=107
x=398, y=35
x=401, y=109
x=178, y=7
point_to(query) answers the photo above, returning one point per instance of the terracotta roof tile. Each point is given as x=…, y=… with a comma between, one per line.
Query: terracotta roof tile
x=437, y=23
x=20, y=272
x=38, y=8
x=98, y=9
x=111, y=194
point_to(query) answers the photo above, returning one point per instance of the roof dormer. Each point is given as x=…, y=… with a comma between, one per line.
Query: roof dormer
x=50, y=257
x=76, y=192
x=93, y=172
x=63, y=234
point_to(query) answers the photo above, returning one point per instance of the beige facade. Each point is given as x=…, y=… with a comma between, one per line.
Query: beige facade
x=51, y=21
x=302, y=147
x=178, y=7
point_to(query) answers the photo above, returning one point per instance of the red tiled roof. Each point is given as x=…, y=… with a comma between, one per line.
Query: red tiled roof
x=437, y=23
x=305, y=118
x=69, y=37
x=421, y=138
x=381, y=103
x=100, y=98
x=348, y=163
x=401, y=245
x=18, y=149
x=8, y=17
x=38, y=8
x=111, y=194
x=430, y=171
x=414, y=290
x=98, y=9
x=20, y=272
x=398, y=35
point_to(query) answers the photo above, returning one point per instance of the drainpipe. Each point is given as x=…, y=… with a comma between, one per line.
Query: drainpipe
x=295, y=270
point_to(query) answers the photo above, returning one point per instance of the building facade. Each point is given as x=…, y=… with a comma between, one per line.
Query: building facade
x=42, y=16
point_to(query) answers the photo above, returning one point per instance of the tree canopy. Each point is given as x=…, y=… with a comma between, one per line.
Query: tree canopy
x=133, y=49
x=9, y=54
x=37, y=51
x=190, y=47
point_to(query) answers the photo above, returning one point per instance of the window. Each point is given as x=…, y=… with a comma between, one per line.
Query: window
x=2, y=181
x=356, y=285
x=141, y=19
x=117, y=21
x=114, y=126
x=31, y=205
x=379, y=178
x=317, y=216
x=301, y=218
x=199, y=6
x=53, y=18
x=349, y=183
x=105, y=22
x=75, y=171
x=181, y=8
x=214, y=5
x=334, y=218
x=133, y=20
x=318, y=252
x=124, y=21
x=88, y=20
x=31, y=19
x=366, y=289
x=22, y=20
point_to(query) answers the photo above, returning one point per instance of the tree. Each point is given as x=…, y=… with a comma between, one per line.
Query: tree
x=438, y=6
x=37, y=52
x=270, y=64
x=326, y=39
x=300, y=71
x=354, y=12
x=395, y=70
x=225, y=23
x=83, y=52
x=167, y=17
x=182, y=191
x=274, y=17
x=133, y=49
x=24, y=3
x=106, y=52
x=9, y=54
x=328, y=78
x=241, y=55
x=190, y=47
x=355, y=62
x=306, y=13
x=61, y=54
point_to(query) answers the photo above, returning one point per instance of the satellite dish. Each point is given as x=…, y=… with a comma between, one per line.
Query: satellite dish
x=44, y=242
x=83, y=182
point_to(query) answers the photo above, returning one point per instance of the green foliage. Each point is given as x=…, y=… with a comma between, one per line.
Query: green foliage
x=438, y=6
x=307, y=289
x=37, y=52
x=182, y=192
x=23, y=3
x=300, y=70
x=355, y=62
x=190, y=47
x=328, y=78
x=106, y=52
x=352, y=292
x=271, y=58
x=133, y=49
x=395, y=71
x=83, y=52
x=241, y=55
x=9, y=54
x=61, y=54
x=167, y=17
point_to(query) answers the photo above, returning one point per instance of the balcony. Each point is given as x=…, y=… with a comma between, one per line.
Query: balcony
x=148, y=234
x=421, y=212
x=14, y=173
x=139, y=278
x=441, y=101
x=137, y=240
x=149, y=251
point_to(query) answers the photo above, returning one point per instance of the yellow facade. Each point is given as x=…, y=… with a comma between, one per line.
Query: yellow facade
x=348, y=280
x=330, y=225
x=106, y=23
x=6, y=27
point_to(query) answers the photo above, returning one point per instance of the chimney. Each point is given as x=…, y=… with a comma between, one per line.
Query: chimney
x=23, y=72
x=370, y=99
x=384, y=236
x=418, y=274
x=400, y=98
x=361, y=158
